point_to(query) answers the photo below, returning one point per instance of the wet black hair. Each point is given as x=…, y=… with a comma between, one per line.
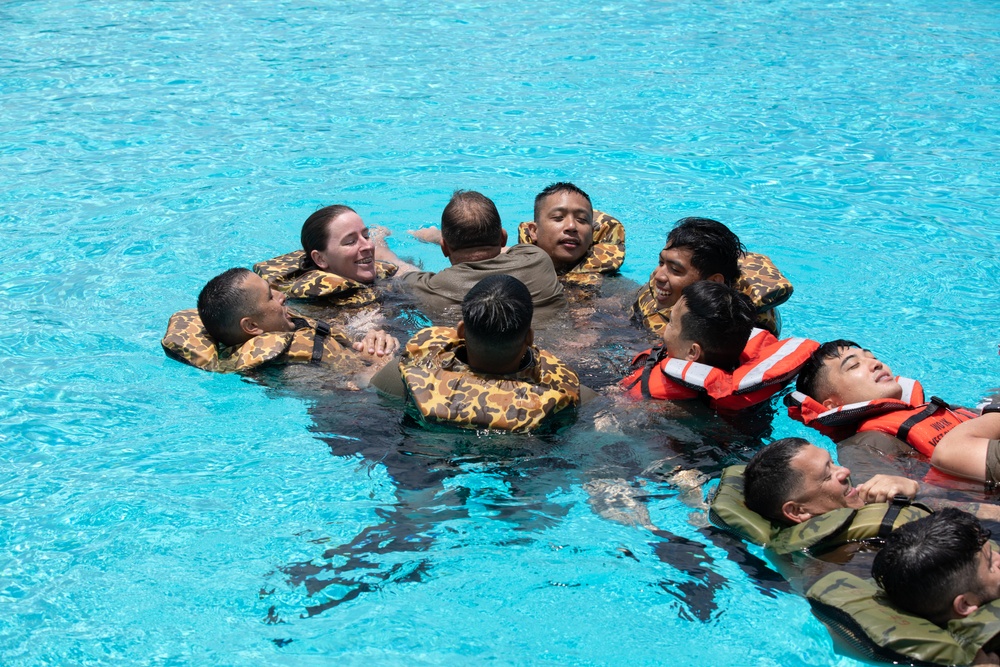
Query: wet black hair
x=813, y=373
x=926, y=564
x=714, y=248
x=316, y=230
x=497, y=313
x=769, y=480
x=471, y=220
x=561, y=186
x=720, y=320
x=222, y=303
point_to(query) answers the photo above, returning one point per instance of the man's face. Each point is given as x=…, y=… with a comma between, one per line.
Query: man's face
x=987, y=574
x=824, y=486
x=564, y=228
x=269, y=311
x=673, y=274
x=673, y=339
x=349, y=253
x=857, y=376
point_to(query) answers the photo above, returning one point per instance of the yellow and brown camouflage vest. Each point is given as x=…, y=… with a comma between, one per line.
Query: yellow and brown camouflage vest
x=313, y=342
x=759, y=279
x=444, y=389
x=857, y=611
x=605, y=256
x=288, y=274
x=819, y=534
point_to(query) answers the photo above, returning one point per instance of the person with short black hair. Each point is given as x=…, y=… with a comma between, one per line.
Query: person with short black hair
x=563, y=224
x=711, y=324
x=940, y=568
x=484, y=373
x=705, y=249
x=711, y=349
x=237, y=305
x=472, y=238
x=791, y=480
x=243, y=323
x=841, y=373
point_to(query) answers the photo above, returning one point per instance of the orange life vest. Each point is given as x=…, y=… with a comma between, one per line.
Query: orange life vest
x=919, y=423
x=766, y=365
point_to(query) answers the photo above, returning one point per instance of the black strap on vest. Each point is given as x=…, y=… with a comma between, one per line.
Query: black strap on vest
x=652, y=359
x=319, y=341
x=895, y=506
x=932, y=407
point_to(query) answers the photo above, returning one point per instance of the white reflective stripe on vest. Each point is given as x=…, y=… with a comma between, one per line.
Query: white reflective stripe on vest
x=690, y=372
x=907, y=384
x=756, y=374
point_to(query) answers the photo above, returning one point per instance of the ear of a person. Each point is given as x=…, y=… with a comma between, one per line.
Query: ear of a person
x=460, y=328
x=795, y=512
x=716, y=278
x=964, y=604
x=694, y=352
x=249, y=326
x=317, y=259
x=531, y=229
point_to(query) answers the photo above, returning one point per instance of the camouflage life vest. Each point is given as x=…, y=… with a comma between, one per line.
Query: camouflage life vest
x=766, y=366
x=759, y=279
x=856, y=610
x=289, y=274
x=444, y=389
x=313, y=342
x=819, y=534
x=919, y=423
x=604, y=257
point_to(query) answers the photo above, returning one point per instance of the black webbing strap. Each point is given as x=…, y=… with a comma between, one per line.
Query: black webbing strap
x=932, y=407
x=650, y=363
x=319, y=341
x=895, y=506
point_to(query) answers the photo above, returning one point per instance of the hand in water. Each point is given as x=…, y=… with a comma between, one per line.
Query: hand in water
x=377, y=343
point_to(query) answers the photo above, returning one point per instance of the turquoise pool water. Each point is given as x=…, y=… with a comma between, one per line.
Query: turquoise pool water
x=154, y=514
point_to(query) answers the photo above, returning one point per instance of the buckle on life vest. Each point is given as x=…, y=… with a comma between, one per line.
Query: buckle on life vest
x=940, y=402
x=322, y=331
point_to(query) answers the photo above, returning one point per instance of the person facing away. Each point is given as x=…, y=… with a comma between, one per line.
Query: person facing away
x=842, y=373
x=486, y=372
x=942, y=567
x=473, y=238
x=238, y=306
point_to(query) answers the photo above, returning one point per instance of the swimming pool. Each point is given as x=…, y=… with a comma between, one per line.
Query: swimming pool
x=152, y=513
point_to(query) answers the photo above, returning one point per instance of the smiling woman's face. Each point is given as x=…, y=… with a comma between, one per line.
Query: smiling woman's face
x=349, y=253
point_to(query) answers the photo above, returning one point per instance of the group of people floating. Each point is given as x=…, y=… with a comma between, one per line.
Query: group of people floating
x=714, y=307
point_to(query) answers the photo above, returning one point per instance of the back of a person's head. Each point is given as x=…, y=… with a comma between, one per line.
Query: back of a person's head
x=561, y=186
x=222, y=303
x=316, y=229
x=497, y=314
x=812, y=376
x=471, y=220
x=714, y=247
x=926, y=564
x=769, y=480
x=720, y=320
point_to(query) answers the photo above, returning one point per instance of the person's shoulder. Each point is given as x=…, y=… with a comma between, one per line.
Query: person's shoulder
x=525, y=250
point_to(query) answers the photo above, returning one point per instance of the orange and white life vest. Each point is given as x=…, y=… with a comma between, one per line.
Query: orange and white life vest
x=766, y=365
x=919, y=423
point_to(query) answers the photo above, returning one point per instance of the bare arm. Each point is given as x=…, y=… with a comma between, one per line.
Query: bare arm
x=383, y=254
x=962, y=451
